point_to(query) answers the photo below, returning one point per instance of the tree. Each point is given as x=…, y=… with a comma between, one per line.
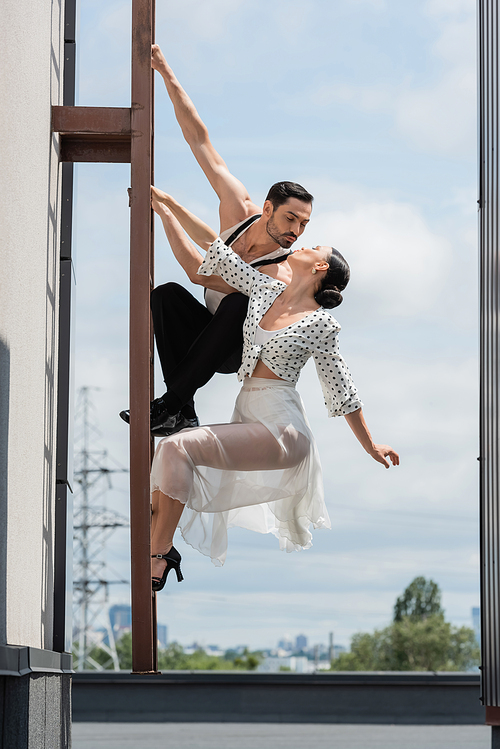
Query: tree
x=247, y=661
x=368, y=653
x=422, y=598
x=96, y=657
x=419, y=638
x=431, y=644
x=124, y=651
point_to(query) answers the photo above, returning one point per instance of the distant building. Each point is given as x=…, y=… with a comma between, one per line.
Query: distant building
x=300, y=642
x=215, y=650
x=476, y=622
x=162, y=635
x=297, y=664
x=120, y=617
x=285, y=644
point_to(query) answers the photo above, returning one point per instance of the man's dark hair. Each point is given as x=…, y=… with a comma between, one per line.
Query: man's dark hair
x=283, y=191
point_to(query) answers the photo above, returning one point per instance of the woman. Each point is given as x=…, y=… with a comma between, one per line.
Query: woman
x=262, y=470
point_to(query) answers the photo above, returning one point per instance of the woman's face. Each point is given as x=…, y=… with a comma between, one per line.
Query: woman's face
x=308, y=258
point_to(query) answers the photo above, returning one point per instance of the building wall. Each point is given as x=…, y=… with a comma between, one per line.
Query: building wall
x=31, y=39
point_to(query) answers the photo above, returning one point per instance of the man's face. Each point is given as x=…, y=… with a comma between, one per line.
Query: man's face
x=288, y=221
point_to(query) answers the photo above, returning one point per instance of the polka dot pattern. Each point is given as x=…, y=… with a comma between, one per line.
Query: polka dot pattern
x=285, y=353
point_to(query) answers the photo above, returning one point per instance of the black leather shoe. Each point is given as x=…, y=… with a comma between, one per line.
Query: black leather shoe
x=156, y=406
x=172, y=424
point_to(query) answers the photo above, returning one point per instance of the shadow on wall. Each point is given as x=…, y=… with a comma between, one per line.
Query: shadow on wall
x=4, y=453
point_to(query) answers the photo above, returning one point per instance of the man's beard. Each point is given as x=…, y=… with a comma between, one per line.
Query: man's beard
x=283, y=240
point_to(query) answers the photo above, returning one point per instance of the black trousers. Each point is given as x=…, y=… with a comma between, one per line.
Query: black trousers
x=192, y=343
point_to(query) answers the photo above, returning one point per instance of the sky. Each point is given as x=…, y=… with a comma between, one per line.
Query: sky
x=371, y=105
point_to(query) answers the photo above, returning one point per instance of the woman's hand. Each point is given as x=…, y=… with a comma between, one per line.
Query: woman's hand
x=159, y=200
x=380, y=453
x=169, y=209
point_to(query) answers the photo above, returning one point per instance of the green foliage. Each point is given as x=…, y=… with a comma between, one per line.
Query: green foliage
x=173, y=658
x=124, y=651
x=419, y=638
x=248, y=661
x=431, y=644
x=97, y=654
x=422, y=598
x=367, y=653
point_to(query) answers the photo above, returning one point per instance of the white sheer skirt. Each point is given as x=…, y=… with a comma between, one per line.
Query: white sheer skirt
x=260, y=472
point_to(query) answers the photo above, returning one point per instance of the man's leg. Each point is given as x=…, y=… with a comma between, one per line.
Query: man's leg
x=217, y=347
x=178, y=320
x=192, y=346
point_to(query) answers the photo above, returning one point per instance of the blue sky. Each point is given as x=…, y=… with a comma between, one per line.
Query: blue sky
x=371, y=106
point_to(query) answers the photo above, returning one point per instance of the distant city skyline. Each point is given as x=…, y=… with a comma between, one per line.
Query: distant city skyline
x=120, y=619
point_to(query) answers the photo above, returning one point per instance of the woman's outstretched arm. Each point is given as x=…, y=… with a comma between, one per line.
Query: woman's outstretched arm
x=197, y=229
x=221, y=260
x=184, y=251
x=380, y=453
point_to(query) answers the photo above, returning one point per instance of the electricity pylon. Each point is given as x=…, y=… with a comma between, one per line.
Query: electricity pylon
x=92, y=526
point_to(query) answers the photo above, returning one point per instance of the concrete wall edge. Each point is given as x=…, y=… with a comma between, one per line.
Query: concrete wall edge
x=18, y=660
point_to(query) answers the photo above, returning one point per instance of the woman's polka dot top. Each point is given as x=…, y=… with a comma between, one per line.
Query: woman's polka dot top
x=286, y=352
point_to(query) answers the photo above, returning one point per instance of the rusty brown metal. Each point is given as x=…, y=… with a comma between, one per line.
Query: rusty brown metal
x=103, y=120
x=114, y=149
x=143, y=638
x=151, y=337
x=492, y=716
x=93, y=134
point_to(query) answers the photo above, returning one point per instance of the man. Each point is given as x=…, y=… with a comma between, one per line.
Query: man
x=194, y=341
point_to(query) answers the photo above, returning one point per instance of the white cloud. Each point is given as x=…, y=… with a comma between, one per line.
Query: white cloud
x=398, y=264
x=442, y=116
x=438, y=116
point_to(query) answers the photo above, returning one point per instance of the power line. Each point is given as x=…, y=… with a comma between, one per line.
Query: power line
x=92, y=526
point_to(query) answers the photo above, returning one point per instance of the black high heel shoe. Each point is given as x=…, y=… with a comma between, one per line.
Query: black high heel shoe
x=173, y=559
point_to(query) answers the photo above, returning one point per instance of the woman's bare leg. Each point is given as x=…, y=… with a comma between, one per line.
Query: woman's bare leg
x=166, y=515
x=244, y=447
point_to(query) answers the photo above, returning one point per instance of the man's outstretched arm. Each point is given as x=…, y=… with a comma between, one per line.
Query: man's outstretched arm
x=235, y=202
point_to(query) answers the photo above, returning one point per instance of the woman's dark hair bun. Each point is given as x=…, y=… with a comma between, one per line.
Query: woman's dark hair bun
x=334, y=281
x=329, y=297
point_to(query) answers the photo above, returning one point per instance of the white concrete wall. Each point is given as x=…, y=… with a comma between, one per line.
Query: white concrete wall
x=31, y=40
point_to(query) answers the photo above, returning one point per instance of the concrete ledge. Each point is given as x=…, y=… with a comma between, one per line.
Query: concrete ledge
x=218, y=696
x=18, y=660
